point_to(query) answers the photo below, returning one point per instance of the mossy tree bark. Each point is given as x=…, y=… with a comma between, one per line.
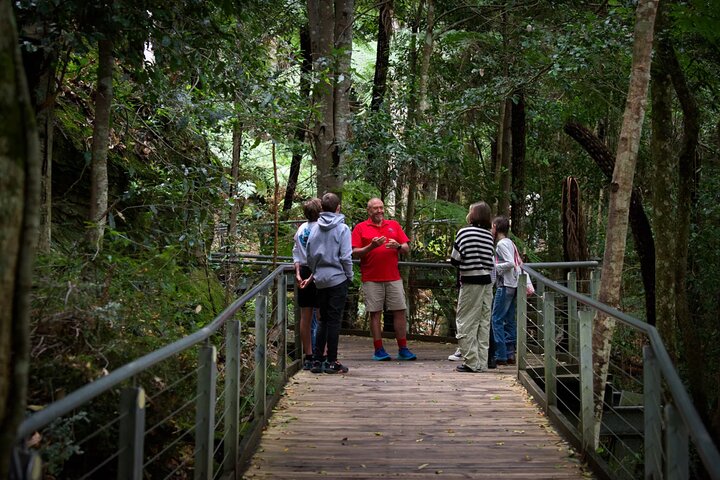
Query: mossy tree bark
x=19, y=214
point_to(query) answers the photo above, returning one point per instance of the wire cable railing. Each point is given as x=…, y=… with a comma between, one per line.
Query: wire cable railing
x=201, y=402
x=643, y=423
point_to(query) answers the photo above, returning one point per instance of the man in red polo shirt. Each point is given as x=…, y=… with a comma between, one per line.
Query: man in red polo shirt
x=378, y=244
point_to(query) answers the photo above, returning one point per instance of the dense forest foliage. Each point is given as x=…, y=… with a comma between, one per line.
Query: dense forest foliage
x=172, y=130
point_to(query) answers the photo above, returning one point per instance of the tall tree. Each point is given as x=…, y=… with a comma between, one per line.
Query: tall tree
x=330, y=26
x=382, y=55
x=518, y=128
x=620, y=192
x=19, y=212
x=100, y=144
x=298, y=147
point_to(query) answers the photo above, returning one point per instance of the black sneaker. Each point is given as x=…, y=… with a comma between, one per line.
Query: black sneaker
x=492, y=364
x=307, y=365
x=317, y=366
x=335, y=367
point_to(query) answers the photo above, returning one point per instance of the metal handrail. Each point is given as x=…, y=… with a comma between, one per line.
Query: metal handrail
x=86, y=393
x=702, y=440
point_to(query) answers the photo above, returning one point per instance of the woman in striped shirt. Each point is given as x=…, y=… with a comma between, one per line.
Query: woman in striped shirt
x=472, y=253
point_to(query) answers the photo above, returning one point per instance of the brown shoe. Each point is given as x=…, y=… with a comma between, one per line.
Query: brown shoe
x=501, y=363
x=511, y=361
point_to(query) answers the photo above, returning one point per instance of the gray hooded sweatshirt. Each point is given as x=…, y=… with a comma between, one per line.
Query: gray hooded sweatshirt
x=329, y=250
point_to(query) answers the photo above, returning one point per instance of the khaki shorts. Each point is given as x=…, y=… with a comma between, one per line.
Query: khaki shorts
x=391, y=295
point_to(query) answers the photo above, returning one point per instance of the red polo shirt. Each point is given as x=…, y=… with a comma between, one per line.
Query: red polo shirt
x=379, y=264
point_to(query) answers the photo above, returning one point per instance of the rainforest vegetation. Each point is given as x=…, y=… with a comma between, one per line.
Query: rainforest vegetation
x=139, y=140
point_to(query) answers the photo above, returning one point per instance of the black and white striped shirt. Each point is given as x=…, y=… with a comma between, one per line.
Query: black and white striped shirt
x=472, y=253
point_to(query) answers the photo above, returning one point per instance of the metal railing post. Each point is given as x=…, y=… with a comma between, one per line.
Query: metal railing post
x=540, y=292
x=594, y=283
x=572, y=316
x=132, y=433
x=587, y=418
x=521, y=320
x=676, y=445
x=233, y=347
x=652, y=416
x=205, y=413
x=549, y=343
x=281, y=322
x=260, y=355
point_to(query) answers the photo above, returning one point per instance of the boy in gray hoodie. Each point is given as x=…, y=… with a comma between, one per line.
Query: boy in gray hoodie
x=329, y=256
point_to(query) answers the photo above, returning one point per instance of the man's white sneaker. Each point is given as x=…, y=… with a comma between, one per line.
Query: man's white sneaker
x=456, y=357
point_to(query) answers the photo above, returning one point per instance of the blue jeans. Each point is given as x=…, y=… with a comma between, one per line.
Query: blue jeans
x=504, y=323
x=313, y=328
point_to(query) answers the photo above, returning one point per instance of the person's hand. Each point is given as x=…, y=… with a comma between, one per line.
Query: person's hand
x=305, y=283
x=392, y=243
x=377, y=241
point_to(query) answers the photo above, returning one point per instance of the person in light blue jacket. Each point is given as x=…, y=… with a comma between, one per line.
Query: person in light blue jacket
x=503, y=312
x=329, y=257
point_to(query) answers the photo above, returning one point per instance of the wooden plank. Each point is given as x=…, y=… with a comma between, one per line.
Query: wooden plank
x=411, y=420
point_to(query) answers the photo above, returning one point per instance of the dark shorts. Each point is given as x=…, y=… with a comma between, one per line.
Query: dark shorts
x=307, y=297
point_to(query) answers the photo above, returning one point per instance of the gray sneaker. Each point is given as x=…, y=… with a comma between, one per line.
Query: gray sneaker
x=456, y=357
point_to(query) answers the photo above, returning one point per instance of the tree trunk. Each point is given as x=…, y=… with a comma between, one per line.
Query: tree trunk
x=330, y=26
x=573, y=219
x=620, y=192
x=687, y=200
x=321, y=20
x=343, y=81
x=423, y=76
x=296, y=162
x=100, y=143
x=517, y=200
x=40, y=67
x=639, y=222
x=506, y=160
x=663, y=204
x=382, y=57
x=235, y=175
x=19, y=214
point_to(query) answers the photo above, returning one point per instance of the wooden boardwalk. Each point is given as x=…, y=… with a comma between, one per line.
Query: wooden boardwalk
x=409, y=420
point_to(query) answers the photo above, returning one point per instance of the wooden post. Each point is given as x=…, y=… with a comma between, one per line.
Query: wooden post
x=205, y=413
x=550, y=362
x=260, y=355
x=233, y=347
x=587, y=419
x=132, y=434
x=652, y=416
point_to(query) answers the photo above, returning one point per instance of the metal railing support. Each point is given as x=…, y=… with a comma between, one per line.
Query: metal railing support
x=572, y=327
x=260, y=355
x=549, y=344
x=233, y=347
x=594, y=283
x=521, y=320
x=205, y=413
x=132, y=434
x=540, y=292
x=652, y=416
x=676, y=445
x=281, y=321
x=587, y=419
x=299, y=352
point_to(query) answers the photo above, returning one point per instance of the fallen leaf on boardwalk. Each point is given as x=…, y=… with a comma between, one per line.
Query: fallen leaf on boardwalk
x=378, y=434
x=423, y=466
x=419, y=440
x=286, y=449
x=450, y=430
x=499, y=443
x=518, y=431
x=495, y=397
x=363, y=465
x=528, y=458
